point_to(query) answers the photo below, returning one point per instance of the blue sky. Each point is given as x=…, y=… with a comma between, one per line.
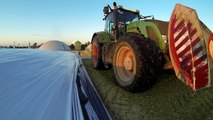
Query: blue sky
x=24, y=21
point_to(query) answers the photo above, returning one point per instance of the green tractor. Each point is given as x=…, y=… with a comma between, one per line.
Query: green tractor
x=135, y=46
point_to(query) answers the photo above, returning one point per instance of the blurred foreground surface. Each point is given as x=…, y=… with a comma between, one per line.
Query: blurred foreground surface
x=46, y=85
x=168, y=99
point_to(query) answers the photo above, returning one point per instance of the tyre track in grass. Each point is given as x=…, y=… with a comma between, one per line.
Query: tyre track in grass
x=168, y=99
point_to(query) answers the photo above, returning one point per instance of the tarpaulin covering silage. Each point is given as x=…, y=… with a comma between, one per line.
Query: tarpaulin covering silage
x=55, y=45
x=39, y=85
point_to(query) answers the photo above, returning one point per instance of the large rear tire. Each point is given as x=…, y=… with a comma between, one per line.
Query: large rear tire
x=97, y=54
x=136, y=62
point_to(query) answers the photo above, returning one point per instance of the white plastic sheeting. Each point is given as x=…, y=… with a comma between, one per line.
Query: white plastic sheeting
x=41, y=85
x=55, y=45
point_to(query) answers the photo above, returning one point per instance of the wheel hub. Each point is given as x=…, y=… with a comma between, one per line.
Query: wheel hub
x=128, y=63
x=94, y=52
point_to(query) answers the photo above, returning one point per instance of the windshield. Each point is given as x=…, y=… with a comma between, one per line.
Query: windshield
x=124, y=17
x=127, y=16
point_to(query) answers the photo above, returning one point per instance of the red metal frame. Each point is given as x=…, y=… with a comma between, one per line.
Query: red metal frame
x=185, y=49
x=209, y=48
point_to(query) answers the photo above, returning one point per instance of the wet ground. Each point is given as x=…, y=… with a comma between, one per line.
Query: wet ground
x=168, y=99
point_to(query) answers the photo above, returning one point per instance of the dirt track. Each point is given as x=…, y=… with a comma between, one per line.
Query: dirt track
x=168, y=99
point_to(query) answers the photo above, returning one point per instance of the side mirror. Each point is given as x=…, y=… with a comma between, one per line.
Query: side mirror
x=106, y=10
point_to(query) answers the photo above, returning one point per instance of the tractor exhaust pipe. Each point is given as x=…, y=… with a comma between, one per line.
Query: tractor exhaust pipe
x=115, y=21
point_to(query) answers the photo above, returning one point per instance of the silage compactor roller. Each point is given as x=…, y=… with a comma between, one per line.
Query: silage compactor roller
x=138, y=47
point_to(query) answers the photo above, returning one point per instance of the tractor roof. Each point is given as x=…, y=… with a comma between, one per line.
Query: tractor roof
x=137, y=12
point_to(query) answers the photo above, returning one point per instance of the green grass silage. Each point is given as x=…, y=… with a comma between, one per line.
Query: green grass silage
x=168, y=99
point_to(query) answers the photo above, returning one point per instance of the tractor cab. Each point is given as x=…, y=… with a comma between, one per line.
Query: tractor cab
x=117, y=19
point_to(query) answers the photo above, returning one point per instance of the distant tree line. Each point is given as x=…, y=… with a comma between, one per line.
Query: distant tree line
x=35, y=45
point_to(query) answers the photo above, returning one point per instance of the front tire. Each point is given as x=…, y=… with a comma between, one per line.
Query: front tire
x=136, y=62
